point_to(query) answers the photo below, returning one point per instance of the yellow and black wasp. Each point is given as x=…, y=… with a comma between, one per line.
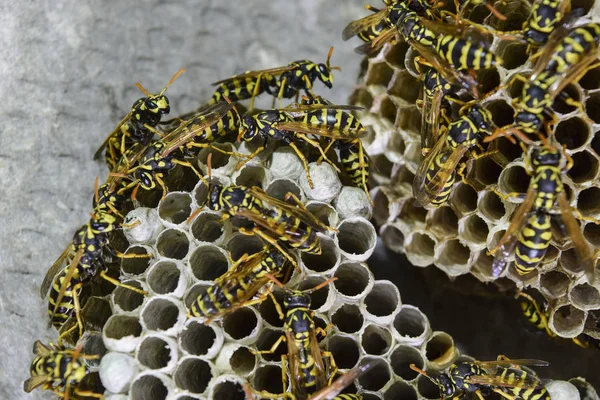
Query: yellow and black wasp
x=504, y=376
x=298, y=122
x=139, y=125
x=83, y=258
x=530, y=232
x=310, y=377
x=437, y=173
x=148, y=165
x=281, y=82
x=59, y=370
x=544, y=18
x=564, y=59
x=538, y=315
x=274, y=220
x=240, y=284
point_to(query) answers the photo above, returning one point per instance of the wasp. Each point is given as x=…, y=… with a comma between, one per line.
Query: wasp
x=274, y=220
x=564, y=59
x=59, y=370
x=503, y=376
x=437, y=172
x=529, y=233
x=147, y=166
x=139, y=125
x=83, y=259
x=281, y=82
x=304, y=359
x=296, y=122
x=238, y=286
x=538, y=315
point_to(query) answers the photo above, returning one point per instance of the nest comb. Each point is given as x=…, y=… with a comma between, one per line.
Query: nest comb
x=456, y=236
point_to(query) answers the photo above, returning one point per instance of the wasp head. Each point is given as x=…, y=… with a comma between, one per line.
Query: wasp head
x=447, y=387
x=325, y=75
x=545, y=156
x=214, y=197
x=296, y=299
x=249, y=130
x=158, y=104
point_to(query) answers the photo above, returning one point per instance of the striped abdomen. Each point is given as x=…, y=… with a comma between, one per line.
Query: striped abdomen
x=574, y=47
x=66, y=307
x=533, y=242
x=354, y=163
x=464, y=54
x=236, y=89
x=372, y=32
x=59, y=368
x=332, y=118
x=544, y=17
x=517, y=377
x=304, y=237
x=444, y=194
x=222, y=296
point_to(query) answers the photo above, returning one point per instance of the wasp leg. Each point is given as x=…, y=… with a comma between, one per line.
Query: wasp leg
x=123, y=255
x=255, y=91
x=271, y=240
x=249, y=157
x=277, y=306
x=316, y=145
x=273, y=347
x=210, y=146
x=304, y=164
x=331, y=143
x=189, y=165
x=88, y=393
x=116, y=282
x=332, y=365
x=284, y=383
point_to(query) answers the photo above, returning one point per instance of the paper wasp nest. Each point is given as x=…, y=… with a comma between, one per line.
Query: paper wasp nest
x=456, y=236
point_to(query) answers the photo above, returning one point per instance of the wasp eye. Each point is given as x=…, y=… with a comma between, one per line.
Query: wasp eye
x=151, y=104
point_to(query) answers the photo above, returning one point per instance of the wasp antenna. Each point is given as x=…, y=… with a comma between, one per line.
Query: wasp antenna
x=209, y=165
x=181, y=71
x=275, y=280
x=321, y=285
x=139, y=86
x=329, y=56
x=420, y=371
x=242, y=132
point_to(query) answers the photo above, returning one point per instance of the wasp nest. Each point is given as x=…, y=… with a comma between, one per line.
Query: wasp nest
x=456, y=236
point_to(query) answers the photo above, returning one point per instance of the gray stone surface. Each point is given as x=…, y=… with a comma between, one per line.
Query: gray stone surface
x=68, y=70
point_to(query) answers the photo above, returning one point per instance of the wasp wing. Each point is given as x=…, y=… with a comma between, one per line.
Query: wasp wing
x=40, y=349
x=430, y=118
x=34, y=382
x=527, y=382
x=66, y=282
x=54, y=269
x=359, y=25
x=303, y=108
x=508, y=362
x=252, y=74
x=334, y=132
x=98, y=153
x=300, y=213
x=507, y=243
x=389, y=35
x=587, y=262
x=341, y=383
x=179, y=137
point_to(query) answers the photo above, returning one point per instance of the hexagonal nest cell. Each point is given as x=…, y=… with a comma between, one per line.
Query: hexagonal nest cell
x=457, y=236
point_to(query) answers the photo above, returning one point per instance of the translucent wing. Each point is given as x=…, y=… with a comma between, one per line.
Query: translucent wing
x=34, y=382
x=339, y=384
x=510, y=362
x=296, y=375
x=251, y=74
x=303, y=108
x=430, y=119
x=447, y=70
x=98, y=153
x=507, y=243
x=179, y=137
x=301, y=213
x=275, y=230
x=527, y=382
x=467, y=31
x=66, y=282
x=334, y=132
x=425, y=188
x=126, y=163
x=586, y=260
x=384, y=37
x=355, y=27
x=40, y=349
x=54, y=269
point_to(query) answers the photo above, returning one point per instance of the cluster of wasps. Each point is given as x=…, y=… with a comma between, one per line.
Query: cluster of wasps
x=451, y=51
x=140, y=153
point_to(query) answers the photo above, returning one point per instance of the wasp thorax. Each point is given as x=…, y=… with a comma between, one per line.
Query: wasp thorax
x=542, y=156
x=295, y=300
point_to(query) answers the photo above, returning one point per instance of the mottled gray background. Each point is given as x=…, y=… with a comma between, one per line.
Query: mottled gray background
x=67, y=75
